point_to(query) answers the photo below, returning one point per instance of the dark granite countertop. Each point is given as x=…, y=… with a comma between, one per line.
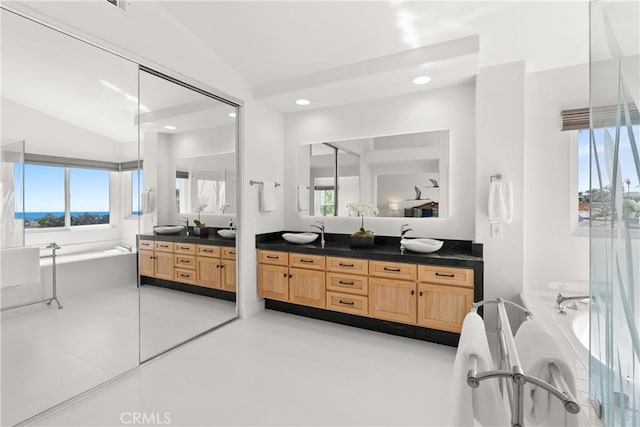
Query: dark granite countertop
x=212, y=239
x=456, y=253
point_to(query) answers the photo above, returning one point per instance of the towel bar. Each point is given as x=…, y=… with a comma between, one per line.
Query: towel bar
x=509, y=367
x=252, y=182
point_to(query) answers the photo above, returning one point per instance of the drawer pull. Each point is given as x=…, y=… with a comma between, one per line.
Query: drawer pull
x=445, y=275
x=185, y=261
x=347, y=302
x=273, y=257
x=184, y=275
x=306, y=260
x=231, y=253
x=185, y=247
x=207, y=250
x=346, y=265
x=397, y=270
x=342, y=282
x=164, y=246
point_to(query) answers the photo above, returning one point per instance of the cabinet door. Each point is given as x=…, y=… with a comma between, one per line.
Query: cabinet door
x=164, y=265
x=307, y=287
x=392, y=300
x=208, y=272
x=146, y=264
x=443, y=307
x=228, y=275
x=273, y=282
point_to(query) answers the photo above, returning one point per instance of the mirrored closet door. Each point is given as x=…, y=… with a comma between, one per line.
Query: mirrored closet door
x=188, y=150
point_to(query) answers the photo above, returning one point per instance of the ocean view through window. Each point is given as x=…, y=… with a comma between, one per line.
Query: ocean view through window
x=46, y=197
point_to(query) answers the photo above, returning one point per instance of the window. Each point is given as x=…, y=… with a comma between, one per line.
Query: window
x=58, y=196
x=89, y=196
x=137, y=182
x=44, y=196
x=323, y=201
x=594, y=195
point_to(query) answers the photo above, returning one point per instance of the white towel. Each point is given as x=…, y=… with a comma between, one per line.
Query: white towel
x=145, y=202
x=303, y=198
x=485, y=403
x=268, y=197
x=20, y=266
x=500, y=202
x=537, y=350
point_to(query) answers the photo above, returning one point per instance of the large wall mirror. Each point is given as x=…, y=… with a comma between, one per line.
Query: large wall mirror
x=188, y=149
x=84, y=134
x=403, y=175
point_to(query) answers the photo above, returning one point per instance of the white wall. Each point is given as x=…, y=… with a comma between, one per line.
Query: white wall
x=553, y=251
x=500, y=149
x=168, y=45
x=443, y=109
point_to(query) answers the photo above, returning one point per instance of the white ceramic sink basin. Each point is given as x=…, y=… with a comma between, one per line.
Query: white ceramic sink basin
x=300, y=238
x=424, y=246
x=227, y=233
x=168, y=229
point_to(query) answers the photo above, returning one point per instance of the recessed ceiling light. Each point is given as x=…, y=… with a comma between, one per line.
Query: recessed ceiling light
x=232, y=114
x=169, y=127
x=303, y=102
x=421, y=80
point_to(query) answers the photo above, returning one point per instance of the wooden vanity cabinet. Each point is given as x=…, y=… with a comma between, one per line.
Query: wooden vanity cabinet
x=445, y=295
x=392, y=300
x=194, y=264
x=304, y=286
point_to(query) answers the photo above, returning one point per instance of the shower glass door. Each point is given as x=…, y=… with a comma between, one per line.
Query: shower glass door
x=615, y=211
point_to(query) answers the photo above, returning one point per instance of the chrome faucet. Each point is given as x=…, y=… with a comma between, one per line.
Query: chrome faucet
x=560, y=300
x=404, y=229
x=186, y=220
x=321, y=228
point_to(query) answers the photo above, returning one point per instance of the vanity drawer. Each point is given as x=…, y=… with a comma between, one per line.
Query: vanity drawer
x=184, y=248
x=446, y=275
x=163, y=246
x=185, y=261
x=348, y=265
x=206, y=250
x=185, y=276
x=228, y=253
x=346, y=303
x=315, y=262
x=393, y=270
x=146, y=245
x=272, y=257
x=347, y=283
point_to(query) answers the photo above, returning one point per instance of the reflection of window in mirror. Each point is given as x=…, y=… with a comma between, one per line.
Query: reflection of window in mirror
x=137, y=177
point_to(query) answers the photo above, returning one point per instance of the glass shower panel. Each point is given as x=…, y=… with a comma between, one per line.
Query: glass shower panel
x=12, y=185
x=75, y=107
x=615, y=211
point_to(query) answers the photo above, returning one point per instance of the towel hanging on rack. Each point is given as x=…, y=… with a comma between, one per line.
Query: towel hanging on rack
x=146, y=205
x=303, y=198
x=267, y=197
x=500, y=201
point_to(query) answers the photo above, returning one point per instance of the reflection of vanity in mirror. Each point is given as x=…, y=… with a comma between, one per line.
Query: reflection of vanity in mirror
x=405, y=175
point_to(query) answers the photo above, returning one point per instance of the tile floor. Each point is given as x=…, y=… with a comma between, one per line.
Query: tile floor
x=280, y=369
x=50, y=355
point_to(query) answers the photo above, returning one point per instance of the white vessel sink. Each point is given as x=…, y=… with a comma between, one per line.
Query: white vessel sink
x=300, y=238
x=227, y=233
x=424, y=246
x=168, y=229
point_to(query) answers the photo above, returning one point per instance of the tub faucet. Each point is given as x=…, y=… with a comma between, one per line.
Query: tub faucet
x=560, y=300
x=321, y=228
x=404, y=229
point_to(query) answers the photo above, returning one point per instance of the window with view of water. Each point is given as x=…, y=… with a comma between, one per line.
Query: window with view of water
x=44, y=198
x=594, y=198
x=89, y=196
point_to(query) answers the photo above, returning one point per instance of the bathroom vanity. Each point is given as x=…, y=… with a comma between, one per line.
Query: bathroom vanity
x=200, y=265
x=423, y=296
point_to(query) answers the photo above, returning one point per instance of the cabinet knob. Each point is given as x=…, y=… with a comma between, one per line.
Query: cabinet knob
x=413, y=292
x=420, y=294
x=285, y=275
x=290, y=276
x=218, y=266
